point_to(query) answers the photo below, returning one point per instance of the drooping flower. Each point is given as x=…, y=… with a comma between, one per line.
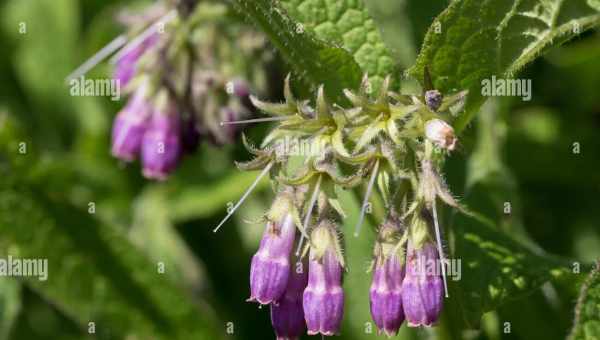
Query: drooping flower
x=125, y=66
x=270, y=268
x=129, y=126
x=386, y=288
x=323, y=299
x=287, y=314
x=161, y=145
x=440, y=133
x=422, y=288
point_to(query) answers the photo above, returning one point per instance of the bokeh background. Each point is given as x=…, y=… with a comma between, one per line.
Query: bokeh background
x=103, y=265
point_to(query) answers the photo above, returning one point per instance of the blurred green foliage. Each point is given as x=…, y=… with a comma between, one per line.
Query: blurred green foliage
x=103, y=266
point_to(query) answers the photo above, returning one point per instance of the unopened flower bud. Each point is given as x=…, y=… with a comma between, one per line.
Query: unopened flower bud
x=433, y=99
x=270, y=268
x=323, y=299
x=287, y=314
x=440, y=133
x=386, y=288
x=125, y=66
x=161, y=145
x=422, y=288
x=129, y=126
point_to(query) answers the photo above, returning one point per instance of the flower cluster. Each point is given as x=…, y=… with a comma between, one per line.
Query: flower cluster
x=184, y=80
x=386, y=140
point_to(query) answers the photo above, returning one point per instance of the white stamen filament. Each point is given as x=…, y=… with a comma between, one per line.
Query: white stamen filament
x=255, y=120
x=237, y=205
x=313, y=200
x=366, y=199
x=439, y=245
x=97, y=58
x=153, y=28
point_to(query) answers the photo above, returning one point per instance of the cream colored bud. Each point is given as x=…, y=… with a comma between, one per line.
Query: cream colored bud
x=441, y=134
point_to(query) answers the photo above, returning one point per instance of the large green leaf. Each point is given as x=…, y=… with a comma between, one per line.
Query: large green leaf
x=473, y=40
x=94, y=273
x=313, y=59
x=495, y=268
x=346, y=23
x=499, y=262
x=587, y=311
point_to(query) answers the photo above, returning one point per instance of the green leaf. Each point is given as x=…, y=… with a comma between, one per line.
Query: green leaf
x=495, y=268
x=473, y=40
x=587, y=311
x=346, y=23
x=184, y=204
x=316, y=61
x=94, y=273
x=10, y=305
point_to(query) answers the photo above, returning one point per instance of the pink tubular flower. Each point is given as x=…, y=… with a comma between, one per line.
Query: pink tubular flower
x=125, y=66
x=323, y=298
x=161, y=144
x=386, y=288
x=129, y=126
x=422, y=288
x=287, y=314
x=270, y=268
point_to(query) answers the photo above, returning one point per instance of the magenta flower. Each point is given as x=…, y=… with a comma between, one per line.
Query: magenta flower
x=161, y=144
x=323, y=298
x=287, y=314
x=386, y=288
x=125, y=66
x=270, y=268
x=129, y=126
x=422, y=288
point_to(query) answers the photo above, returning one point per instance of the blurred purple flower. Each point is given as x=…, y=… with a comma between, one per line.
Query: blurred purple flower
x=161, y=145
x=129, y=126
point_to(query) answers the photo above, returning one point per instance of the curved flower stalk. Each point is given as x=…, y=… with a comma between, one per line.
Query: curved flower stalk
x=390, y=143
x=203, y=59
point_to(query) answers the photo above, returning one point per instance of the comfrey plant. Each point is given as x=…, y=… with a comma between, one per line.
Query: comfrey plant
x=387, y=140
x=186, y=68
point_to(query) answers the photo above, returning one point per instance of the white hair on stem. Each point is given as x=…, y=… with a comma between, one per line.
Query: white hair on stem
x=366, y=199
x=255, y=120
x=97, y=58
x=311, y=204
x=153, y=28
x=439, y=246
x=237, y=205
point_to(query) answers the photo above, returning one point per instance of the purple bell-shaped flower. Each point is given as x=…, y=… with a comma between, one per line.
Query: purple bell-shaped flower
x=129, y=126
x=287, y=313
x=422, y=288
x=161, y=145
x=270, y=268
x=323, y=298
x=388, y=273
